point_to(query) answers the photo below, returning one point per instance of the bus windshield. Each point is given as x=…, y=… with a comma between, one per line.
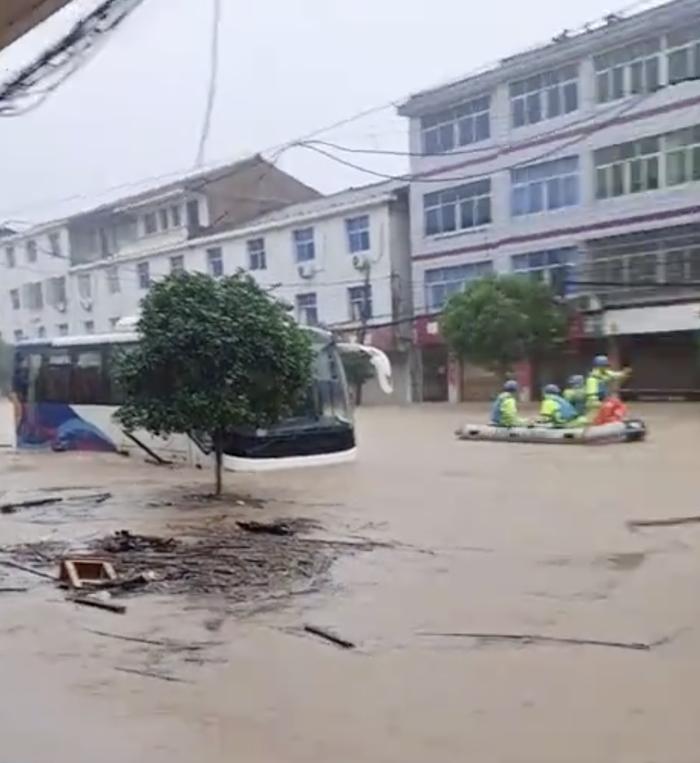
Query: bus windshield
x=326, y=402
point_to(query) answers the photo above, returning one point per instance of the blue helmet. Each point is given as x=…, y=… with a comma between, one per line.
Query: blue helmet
x=510, y=386
x=576, y=381
x=601, y=361
x=552, y=389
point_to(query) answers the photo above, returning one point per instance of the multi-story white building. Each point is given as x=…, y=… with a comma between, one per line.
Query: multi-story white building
x=575, y=162
x=341, y=261
x=48, y=273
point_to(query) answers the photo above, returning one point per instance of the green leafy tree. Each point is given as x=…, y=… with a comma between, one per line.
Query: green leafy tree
x=499, y=320
x=358, y=370
x=6, y=366
x=214, y=354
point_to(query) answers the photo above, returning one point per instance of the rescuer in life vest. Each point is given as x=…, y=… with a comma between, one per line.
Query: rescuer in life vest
x=598, y=384
x=504, y=412
x=556, y=411
x=575, y=393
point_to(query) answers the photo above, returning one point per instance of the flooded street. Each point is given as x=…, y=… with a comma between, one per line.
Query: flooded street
x=473, y=538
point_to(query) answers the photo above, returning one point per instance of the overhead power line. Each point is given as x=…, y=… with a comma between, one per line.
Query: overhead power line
x=212, y=84
x=62, y=59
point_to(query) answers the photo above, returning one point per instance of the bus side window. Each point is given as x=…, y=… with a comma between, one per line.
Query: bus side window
x=88, y=380
x=57, y=373
x=114, y=389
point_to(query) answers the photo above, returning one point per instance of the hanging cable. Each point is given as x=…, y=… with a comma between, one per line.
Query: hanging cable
x=213, y=81
x=62, y=59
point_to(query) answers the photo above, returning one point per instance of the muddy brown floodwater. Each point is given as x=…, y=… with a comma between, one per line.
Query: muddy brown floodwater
x=482, y=538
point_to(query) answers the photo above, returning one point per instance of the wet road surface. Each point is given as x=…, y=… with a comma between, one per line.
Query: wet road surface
x=484, y=537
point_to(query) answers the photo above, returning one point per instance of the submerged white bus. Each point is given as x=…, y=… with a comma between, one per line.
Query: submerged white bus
x=65, y=397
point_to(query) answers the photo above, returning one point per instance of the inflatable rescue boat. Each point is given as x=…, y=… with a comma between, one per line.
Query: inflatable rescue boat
x=610, y=425
x=631, y=430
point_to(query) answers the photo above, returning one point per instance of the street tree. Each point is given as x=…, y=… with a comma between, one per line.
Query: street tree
x=358, y=370
x=499, y=320
x=213, y=354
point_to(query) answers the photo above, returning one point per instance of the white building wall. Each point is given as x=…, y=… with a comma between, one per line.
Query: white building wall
x=94, y=307
x=29, y=322
x=590, y=127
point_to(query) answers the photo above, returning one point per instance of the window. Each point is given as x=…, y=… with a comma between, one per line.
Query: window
x=55, y=244
x=464, y=124
x=150, y=223
x=89, y=327
x=19, y=335
x=683, y=51
x=360, y=302
x=358, y=233
x=627, y=168
x=682, y=155
x=175, y=217
x=544, y=96
x=256, y=254
x=554, y=266
x=307, y=311
x=87, y=382
x=14, y=299
x=107, y=241
x=56, y=373
x=642, y=268
x=85, y=286
x=177, y=264
x=466, y=206
x=545, y=186
x=62, y=329
x=33, y=296
x=442, y=283
x=163, y=219
x=304, y=247
x=10, y=260
x=631, y=70
x=41, y=332
x=215, y=262
x=193, y=214
x=31, y=251
x=143, y=273
x=56, y=292
x=113, y=284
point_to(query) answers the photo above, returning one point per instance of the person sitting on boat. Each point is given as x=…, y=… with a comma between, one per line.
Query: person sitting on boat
x=504, y=412
x=575, y=393
x=598, y=384
x=556, y=411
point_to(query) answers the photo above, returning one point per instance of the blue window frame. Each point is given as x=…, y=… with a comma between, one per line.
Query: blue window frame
x=459, y=126
x=307, y=309
x=357, y=229
x=442, y=283
x=545, y=186
x=460, y=208
x=304, y=247
x=256, y=254
x=553, y=266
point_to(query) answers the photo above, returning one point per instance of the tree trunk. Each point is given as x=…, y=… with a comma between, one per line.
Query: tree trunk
x=358, y=393
x=219, y=460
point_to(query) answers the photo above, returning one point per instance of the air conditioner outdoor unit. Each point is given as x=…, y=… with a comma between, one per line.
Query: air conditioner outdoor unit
x=61, y=307
x=86, y=304
x=306, y=270
x=360, y=261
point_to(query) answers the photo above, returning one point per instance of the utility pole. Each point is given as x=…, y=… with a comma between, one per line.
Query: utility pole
x=365, y=314
x=365, y=310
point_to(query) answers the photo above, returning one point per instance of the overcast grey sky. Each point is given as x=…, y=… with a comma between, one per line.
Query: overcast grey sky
x=287, y=67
